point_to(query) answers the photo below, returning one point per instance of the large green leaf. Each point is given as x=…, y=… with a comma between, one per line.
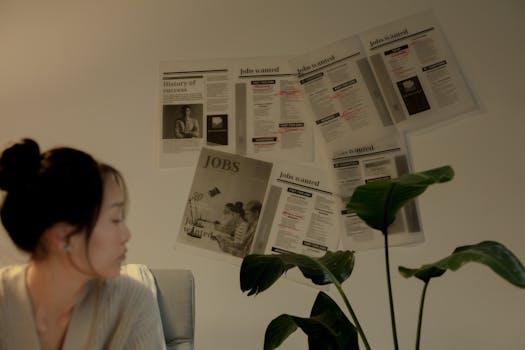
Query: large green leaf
x=493, y=254
x=259, y=271
x=327, y=327
x=278, y=330
x=377, y=203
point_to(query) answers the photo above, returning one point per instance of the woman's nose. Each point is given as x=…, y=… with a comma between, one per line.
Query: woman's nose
x=126, y=234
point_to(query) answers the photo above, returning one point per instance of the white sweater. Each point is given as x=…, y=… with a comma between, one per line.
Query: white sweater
x=120, y=313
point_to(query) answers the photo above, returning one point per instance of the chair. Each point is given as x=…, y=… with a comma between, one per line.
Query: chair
x=176, y=298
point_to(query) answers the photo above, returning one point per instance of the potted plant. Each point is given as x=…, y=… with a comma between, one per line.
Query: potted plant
x=377, y=204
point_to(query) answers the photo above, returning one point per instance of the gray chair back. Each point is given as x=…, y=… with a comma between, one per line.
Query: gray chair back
x=176, y=298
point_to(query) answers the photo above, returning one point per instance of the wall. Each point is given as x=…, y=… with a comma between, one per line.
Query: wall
x=84, y=73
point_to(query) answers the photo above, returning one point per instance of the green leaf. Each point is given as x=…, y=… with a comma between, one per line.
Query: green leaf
x=278, y=330
x=259, y=272
x=327, y=327
x=329, y=314
x=493, y=254
x=377, y=203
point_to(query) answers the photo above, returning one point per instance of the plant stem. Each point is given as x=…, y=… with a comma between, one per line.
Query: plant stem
x=390, y=298
x=347, y=303
x=354, y=317
x=420, y=319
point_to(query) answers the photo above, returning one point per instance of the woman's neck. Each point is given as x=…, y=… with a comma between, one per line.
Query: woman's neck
x=53, y=288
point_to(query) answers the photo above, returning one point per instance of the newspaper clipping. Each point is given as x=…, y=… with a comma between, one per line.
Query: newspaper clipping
x=249, y=123
x=417, y=72
x=238, y=205
x=195, y=111
x=344, y=97
x=246, y=106
x=365, y=92
x=278, y=125
x=375, y=165
x=360, y=137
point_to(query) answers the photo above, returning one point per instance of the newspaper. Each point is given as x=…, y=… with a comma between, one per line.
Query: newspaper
x=348, y=109
x=247, y=106
x=360, y=138
x=359, y=95
x=364, y=92
x=239, y=205
x=352, y=170
x=417, y=71
x=195, y=110
x=392, y=78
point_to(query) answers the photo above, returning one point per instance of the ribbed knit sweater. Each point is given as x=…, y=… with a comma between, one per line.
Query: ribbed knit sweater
x=120, y=313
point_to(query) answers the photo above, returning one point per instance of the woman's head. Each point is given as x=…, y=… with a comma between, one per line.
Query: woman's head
x=253, y=209
x=105, y=250
x=187, y=111
x=238, y=209
x=228, y=208
x=61, y=186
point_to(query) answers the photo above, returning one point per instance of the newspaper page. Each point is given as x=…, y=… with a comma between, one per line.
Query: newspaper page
x=360, y=139
x=268, y=98
x=246, y=106
x=346, y=103
x=196, y=110
x=239, y=205
x=352, y=170
x=225, y=188
x=417, y=72
x=300, y=213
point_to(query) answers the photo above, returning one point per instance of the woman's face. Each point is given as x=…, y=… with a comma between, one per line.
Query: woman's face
x=251, y=216
x=106, y=249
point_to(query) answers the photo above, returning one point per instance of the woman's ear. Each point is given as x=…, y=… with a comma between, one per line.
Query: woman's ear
x=57, y=237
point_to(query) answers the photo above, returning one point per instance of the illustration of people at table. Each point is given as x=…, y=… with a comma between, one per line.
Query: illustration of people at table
x=238, y=239
x=232, y=216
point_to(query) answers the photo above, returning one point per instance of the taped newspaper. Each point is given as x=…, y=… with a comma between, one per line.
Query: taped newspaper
x=249, y=106
x=239, y=205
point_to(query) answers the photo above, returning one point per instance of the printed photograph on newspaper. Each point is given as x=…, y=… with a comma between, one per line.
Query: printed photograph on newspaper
x=224, y=202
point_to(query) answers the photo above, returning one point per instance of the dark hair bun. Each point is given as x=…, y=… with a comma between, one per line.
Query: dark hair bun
x=19, y=165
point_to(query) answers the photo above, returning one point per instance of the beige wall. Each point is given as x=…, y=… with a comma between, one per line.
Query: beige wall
x=84, y=73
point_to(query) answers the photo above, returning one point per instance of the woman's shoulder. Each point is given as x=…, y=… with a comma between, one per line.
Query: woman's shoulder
x=11, y=273
x=12, y=269
x=128, y=305
x=135, y=282
x=12, y=279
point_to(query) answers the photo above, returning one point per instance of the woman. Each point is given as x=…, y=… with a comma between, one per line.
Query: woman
x=239, y=245
x=241, y=224
x=229, y=220
x=67, y=211
x=253, y=210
